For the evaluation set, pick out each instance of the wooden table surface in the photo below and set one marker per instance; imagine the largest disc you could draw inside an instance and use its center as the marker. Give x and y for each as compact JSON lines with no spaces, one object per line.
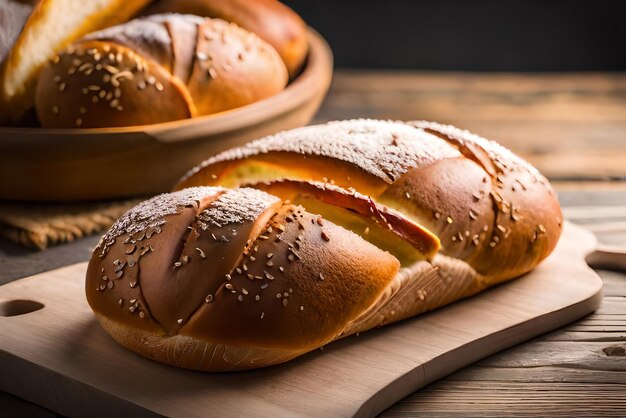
{"x":573,"y":128}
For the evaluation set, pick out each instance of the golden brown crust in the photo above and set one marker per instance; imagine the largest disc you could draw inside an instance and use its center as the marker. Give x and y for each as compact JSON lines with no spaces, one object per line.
{"x":123,"y":75}
{"x":233,"y":267}
{"x":96,"y":84}
{"x":193,"y":353}
{"x":271,"y":20}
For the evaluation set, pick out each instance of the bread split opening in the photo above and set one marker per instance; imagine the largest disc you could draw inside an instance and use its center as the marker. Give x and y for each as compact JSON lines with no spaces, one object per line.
{"x":383,"y":227}
{"x":347,"y":199}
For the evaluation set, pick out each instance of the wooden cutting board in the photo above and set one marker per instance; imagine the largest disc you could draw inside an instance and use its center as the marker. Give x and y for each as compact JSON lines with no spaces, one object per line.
{"x":60,"y":358}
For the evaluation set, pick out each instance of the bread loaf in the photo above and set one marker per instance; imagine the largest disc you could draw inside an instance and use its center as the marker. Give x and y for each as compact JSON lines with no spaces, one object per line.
{"x":336,"y":229}
{"x":156,"y":69}
{"x":52,"y":25}
{"x":271,"y":20}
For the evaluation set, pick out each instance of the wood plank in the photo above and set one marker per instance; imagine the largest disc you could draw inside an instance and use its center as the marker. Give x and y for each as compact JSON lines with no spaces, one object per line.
{"x":579,"y":117}
{"x":570,"y":371}
{"x":60,"y":353}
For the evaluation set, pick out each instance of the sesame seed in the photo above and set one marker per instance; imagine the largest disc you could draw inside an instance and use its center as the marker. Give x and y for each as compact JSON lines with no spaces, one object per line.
{"x":408,"y":195}
{"x":264,"y":285}
{"x":202,"y":254}
{"x":262,"y":315}
{"x":132,"y":284}
{"x":285,"y":302}
{"x":257,"y":297}
{"x":131,"y":263}
{"x":177,"y":264}
{"x":229,"y":286}
{"x":319,"y":221}
{"x":61,"y":87}
{"x":110,"y":285}
{"x":278,"y":296}
{"x":141,"y":314}
{"x":158,"y":86}
{"x":449,"y":220}
{"x":131,"y":309}
{"x":250,"y":276}
{"x":114,"y":103}
{"x":55,"y":110}
{"x":120,"y":302}
{"x":180,"y":321}
{"x":325,"y":236}
{"x":201,"y":56}
{"x":291,"y":257}
{"x":228,"y":277}
{"x":282,"y":269}
{"x":212,"y":73}
{"x":240,"y":298}
{"x":437,"y":215}
{"x":119,"y":274}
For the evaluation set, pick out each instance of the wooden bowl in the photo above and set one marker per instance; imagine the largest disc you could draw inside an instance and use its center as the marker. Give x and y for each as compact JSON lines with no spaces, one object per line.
{"x":92,"y":164}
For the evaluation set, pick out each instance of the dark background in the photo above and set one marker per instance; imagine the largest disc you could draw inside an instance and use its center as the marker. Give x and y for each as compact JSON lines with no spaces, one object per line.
{"x":472,"y":35}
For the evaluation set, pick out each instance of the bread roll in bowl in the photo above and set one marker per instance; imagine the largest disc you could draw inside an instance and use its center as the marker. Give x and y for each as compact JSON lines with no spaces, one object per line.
{"x":156,"y":69}
{"x":271,"y":20}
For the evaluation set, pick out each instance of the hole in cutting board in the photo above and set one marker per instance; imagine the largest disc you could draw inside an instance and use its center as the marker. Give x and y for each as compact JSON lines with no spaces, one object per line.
{"x":19,"y":307}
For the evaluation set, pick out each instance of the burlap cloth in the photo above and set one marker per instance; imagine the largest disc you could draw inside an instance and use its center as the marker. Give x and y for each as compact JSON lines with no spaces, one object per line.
{"x":40,"y":225}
